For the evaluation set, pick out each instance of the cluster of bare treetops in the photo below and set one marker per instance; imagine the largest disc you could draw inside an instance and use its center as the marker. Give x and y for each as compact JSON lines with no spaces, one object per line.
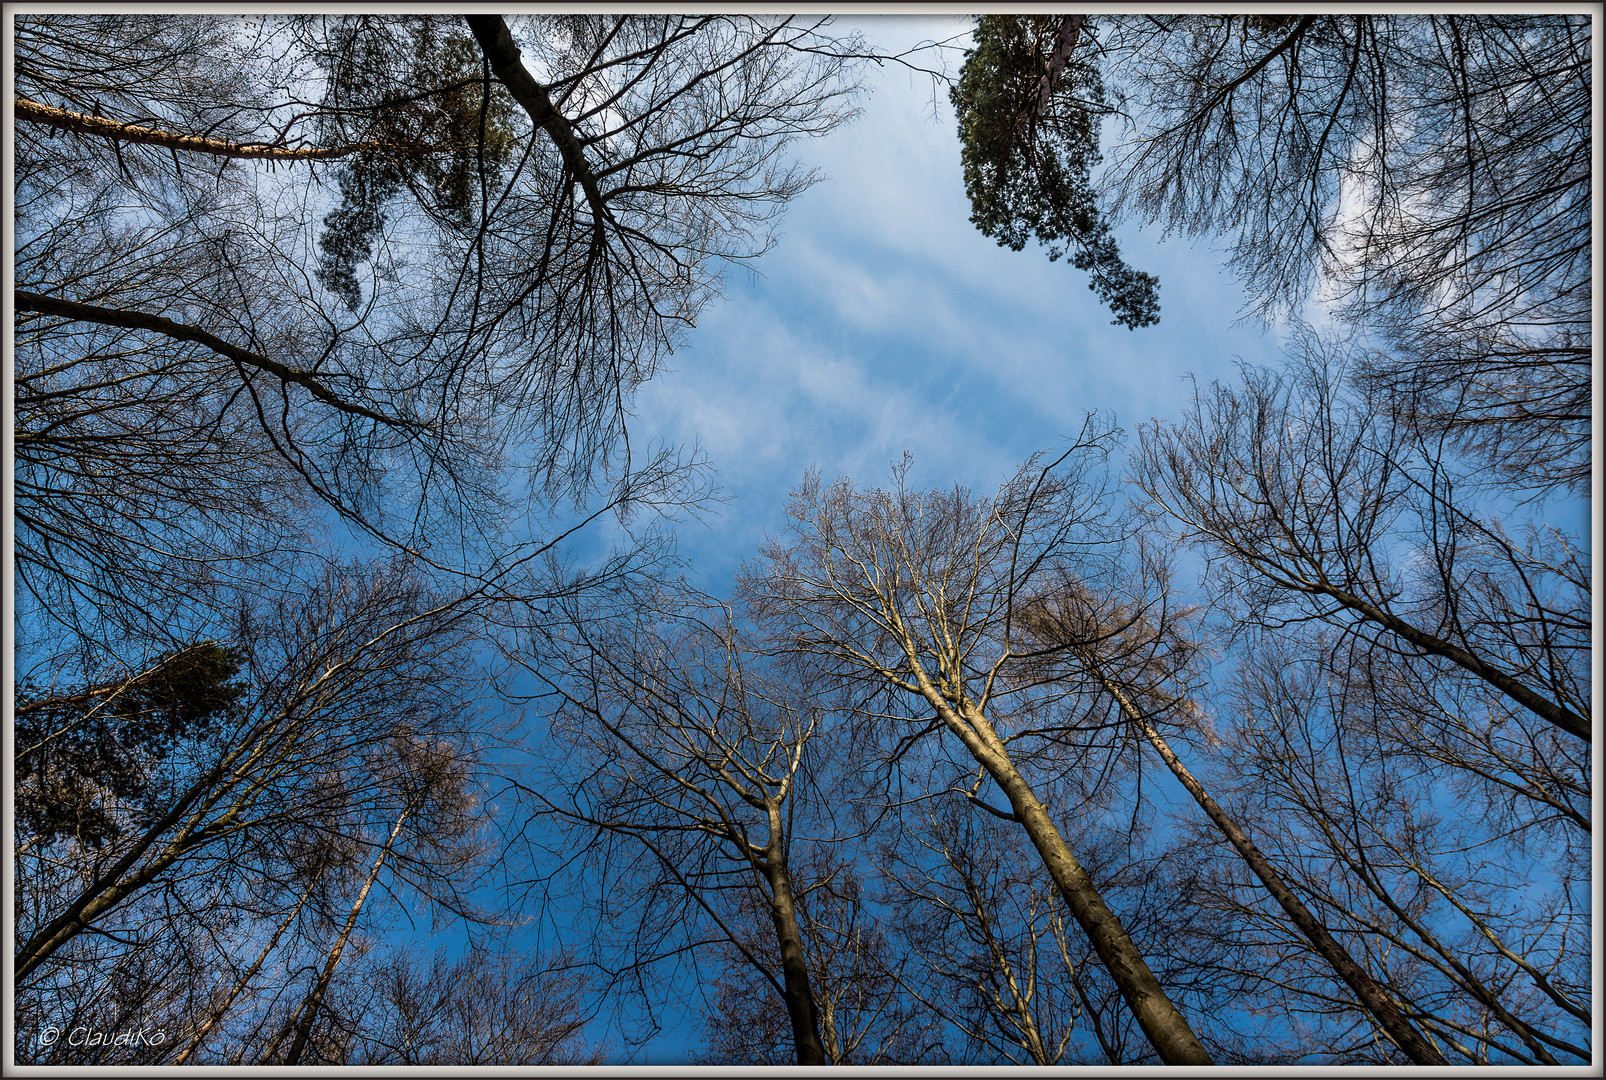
{"x":1259,"y":734}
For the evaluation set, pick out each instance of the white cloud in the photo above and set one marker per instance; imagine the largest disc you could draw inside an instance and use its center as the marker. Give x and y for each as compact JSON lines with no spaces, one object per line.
{"x":883,"y":322}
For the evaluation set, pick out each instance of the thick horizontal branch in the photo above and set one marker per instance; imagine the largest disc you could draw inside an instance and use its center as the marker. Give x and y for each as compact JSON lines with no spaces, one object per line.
{"x":83,"y":124}
{"x":139,"y":320}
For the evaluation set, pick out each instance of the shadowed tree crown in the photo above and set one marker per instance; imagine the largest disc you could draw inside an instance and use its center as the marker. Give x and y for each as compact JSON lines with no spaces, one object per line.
{"x":1029,"y":115}
{"x":425,"y":125}
{"x":82,"y":751}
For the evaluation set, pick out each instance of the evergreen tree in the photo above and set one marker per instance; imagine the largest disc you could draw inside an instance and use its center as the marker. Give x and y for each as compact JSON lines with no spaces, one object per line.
{"x":86,"y":756}
{"x":1029,"y":112}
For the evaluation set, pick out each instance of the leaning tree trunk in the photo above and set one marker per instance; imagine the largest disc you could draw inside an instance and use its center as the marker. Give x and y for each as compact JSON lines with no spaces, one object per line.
{"x":1167,"y":1029}
{"x":217,"y":1014}
{"x":309,"y":1008}
{"x":1371,"y":996}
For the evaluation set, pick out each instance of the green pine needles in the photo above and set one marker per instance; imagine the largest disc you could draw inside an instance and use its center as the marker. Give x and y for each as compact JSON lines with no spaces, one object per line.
{"x":1028,"y":167}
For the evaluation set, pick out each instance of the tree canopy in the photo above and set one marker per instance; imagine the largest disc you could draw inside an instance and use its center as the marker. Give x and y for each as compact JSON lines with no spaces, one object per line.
{"x":1426,"y":178}
{"x":368,"y":710}
{"x":1030,"y":107}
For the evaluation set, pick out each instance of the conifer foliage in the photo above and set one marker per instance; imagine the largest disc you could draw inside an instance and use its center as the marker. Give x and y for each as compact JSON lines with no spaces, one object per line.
{"x":1029,"y":103}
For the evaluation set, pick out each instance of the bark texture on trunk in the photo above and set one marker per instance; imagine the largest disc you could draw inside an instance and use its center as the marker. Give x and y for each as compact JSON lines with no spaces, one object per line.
{"x":1167,"y":1029}
{"x":794,"y":965}
{"x":1371,"y":996}
{"x":1064,"y":44}
{"x":1162,"y":1022}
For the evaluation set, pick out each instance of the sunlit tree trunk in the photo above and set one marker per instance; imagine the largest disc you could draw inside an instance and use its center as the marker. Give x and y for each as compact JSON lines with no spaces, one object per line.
{"x":1064,"y":44}
{"x":1161,"y":1020}
{"x":309,"y":1008}
{"x":1372,"y":997}
{"x":79,"y":123}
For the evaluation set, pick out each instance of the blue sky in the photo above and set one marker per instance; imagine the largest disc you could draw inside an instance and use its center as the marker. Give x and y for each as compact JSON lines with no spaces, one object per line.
{"x":883,"y":321}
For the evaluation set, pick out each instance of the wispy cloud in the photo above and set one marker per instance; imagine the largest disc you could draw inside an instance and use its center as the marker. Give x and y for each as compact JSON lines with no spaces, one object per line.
{"x":884,"y":322}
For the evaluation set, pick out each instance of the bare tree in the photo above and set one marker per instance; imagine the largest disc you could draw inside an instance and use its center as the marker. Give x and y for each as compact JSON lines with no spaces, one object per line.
{"x":486,"y":1007}
{"x":368,"y":662}
{"x":1423,"y":657}
{"x":668,"y":157}
{"x":991,"y":951}
{"x":436,"y":811}
{"x":913,"y":597}
{"x":1474,"y":926}
{"x":1137,"y":649}
{"x":1304,"y":494}
{"x":471,"y":318}
{"x":677,"y":763}
{"x":1428,"y":172}
{"x":282,"y":278}
{"x":866,"y":1017}
{"x":226,"y":995}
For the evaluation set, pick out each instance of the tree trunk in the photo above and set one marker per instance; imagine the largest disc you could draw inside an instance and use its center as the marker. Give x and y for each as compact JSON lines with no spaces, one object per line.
{"x":66,"y":120}
{"x":1371,"y":996}
{"x":1167,"y":1029}
{"x":1070,"y":29}
{"x":1518,"y":691}
{"x":221,"y":1010}
{"x":314,"y":1000}
{"x":496,"y":41}
{"x":794,"y":967}
{"x":110,"y":888}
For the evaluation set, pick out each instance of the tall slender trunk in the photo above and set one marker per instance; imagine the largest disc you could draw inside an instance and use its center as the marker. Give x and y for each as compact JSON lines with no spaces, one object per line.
{"x":1167,"y":1029}
{"x":1162,"y":1022}
{"x":221,"y":1010}
{"x":794,"y":967}
{"x":304,"y":1017}
{"x":1371,"y":996}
